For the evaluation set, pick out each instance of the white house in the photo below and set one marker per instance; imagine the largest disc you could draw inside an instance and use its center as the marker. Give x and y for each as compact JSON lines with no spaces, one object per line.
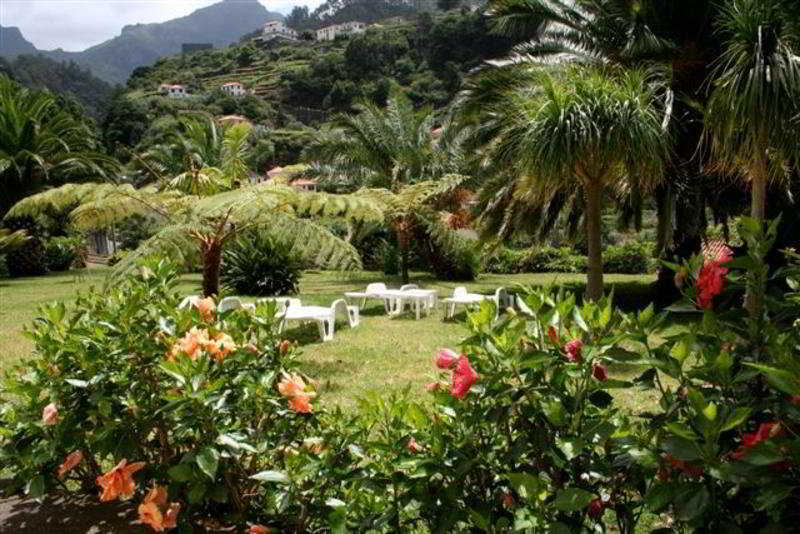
{"x":234,"y":88}
{"x":329,"y":33}
{"x":173,"y":91}
{"x":276,"y":29}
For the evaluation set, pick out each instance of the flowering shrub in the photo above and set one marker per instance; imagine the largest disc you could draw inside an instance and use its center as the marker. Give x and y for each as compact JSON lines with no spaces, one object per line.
{"x":722,"y":444}
{"x":184,"y":402}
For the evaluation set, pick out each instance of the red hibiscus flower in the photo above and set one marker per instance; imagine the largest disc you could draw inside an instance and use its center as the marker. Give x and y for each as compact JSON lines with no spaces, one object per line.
{"x":711,"y":278}
{"x":552,"y":335}
{"x":446,"y":359}
{"x":596,"y":508}
{"x":574,"y":350}
{"x":600,"y":372}
{"x":750,"y":440}
{"x":464,"y":377}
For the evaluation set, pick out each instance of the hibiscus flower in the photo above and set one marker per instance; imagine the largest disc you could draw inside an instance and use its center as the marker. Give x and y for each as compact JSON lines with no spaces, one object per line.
{"x":119,"y":481}
{"x":600,"y":372}
{"x":464,"y":377}
{"x":446,"y":359}
{"x":221,"y":346}
{"x":206,"y":307}
{"x":50,"y":415}
{"x":711,"y":278}
{"x":750,"y":440}
{"x":596,"y":508}
{"x":155,"y":513}
{"x":72,"y":460}
{"x":574,"y":350}
{"x":258,"y":529}
{"x":301,"y":404}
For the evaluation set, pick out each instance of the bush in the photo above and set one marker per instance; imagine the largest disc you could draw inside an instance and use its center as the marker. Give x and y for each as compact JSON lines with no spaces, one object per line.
{"x":505,"y":261}
{"x":193,"y":394}
{"x":554,"y":260}
{"x":633,"y":257}
{"x":63,"y":252}
{"x":256,"y":264}
{"x":27,"y":260}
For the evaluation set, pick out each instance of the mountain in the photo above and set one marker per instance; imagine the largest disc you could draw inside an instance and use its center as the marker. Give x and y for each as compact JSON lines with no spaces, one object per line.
{"x":141,"y":44}
{"x":40,"y":72}
{"x":12,"y":43}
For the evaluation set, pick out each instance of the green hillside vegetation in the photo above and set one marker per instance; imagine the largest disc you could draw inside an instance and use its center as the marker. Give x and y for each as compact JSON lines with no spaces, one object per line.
{"x":428,"y":55}
{"x":64,"y":78}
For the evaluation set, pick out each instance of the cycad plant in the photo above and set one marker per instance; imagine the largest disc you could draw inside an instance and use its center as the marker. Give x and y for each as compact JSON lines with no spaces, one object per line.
{"x":576,"y":129}
{"x":42,"y":144}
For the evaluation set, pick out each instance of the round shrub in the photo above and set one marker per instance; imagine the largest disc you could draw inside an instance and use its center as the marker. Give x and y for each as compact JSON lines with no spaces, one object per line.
{"x":257,"y":264}
{"x":28,"y":260}
{"x":632,"y":257}
{"x":61,"y":253}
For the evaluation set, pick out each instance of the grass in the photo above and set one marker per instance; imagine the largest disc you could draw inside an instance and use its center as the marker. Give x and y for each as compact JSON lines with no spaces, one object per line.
{"x":383,"y":354}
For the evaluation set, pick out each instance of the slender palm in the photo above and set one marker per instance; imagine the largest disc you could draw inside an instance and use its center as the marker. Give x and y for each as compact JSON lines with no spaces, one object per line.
{"x":577,"y":129}
{"x":42,"y":144}
{"x":756,"y":96}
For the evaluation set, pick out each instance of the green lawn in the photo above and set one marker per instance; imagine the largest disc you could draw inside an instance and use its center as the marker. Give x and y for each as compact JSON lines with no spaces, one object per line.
{"x":383,"y":354}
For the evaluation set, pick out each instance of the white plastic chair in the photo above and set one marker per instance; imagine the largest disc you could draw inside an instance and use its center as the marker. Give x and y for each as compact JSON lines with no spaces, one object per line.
{"x":324,"y":317}
{"x":460,"y":297}
{"x":406,"y":287}
{"x":229,"y":303}
{"x":373,"y":291}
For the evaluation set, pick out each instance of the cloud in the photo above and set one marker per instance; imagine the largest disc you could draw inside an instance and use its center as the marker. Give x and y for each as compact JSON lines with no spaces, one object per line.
{"x":78,"y":24}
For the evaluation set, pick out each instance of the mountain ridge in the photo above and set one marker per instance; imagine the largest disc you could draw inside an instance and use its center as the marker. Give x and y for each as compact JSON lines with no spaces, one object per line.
{"x":141,"y":44}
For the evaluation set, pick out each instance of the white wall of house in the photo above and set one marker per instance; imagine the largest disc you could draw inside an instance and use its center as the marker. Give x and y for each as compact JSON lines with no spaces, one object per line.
{"x":234,"y":89}
{"x":329,"y":33}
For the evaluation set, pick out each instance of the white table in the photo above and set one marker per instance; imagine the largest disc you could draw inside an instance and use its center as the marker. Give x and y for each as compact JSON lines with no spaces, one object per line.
{"x":421,"y":299}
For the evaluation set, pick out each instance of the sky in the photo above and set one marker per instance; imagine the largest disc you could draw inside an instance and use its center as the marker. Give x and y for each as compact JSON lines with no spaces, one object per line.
{"x":75,"y":25}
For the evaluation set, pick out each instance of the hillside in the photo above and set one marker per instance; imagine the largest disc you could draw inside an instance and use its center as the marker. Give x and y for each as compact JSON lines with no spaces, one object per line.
{"x":40,"y":72}
{"x":141,"y":44}
{"x":12,"y":43}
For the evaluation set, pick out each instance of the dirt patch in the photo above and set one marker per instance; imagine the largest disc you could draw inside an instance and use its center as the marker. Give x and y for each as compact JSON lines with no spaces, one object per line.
{"x":67,"y":515}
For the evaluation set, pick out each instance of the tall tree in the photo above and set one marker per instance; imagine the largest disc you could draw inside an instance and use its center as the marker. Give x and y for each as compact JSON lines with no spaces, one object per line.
{"x":752,"y":115}
{"x":579,"y":128}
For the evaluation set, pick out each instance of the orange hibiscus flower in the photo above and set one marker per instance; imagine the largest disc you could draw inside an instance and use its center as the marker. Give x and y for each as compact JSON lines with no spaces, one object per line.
{"x":50,"y":415}
{"x":155,"y":513}
{"x":192,"y":343}
{"x":220,"y":346}
{"x":206,"y":308}
{"x":72,"y":460}
{"x":119,"y":481}
{"x":292,"y":384}
{"x":258,"y":529}
{"x":301,"y":404}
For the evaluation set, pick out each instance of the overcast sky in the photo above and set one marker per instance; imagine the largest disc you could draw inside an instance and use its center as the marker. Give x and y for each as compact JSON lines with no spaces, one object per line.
{"x":78,"y":24}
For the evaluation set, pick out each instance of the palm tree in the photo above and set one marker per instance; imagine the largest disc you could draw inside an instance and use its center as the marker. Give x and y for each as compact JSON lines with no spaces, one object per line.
{"x":42,"y":144}
{"x":751,"y":116}
{"x":588,"y":129}
{"x":11,"y":240}
{"x":756,"y":96}
{"x":389,"y":152}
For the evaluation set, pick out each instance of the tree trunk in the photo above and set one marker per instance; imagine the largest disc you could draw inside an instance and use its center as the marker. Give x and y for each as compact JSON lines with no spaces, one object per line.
{"x":594,"y":283}
{"x":212,"y":258}
{"x":754,"y":299}
{"x":404,"y":264}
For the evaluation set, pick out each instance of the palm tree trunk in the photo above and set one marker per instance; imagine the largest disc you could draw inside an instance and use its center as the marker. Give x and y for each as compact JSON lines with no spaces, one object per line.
{"x":594,"y":283}
{"x":212,"y":258}
{"x":754,"y":299}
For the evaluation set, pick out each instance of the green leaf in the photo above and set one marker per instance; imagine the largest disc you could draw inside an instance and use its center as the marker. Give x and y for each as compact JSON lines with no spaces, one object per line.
{"x":271,"y":476}
{"x":181,"y":473}
{"x":692,"y":504}
{"x":572,"y":499}
{"x":736,"y":418}
{"x":780,"y":379}
{"x":208,"y":460}
{"x":77,"y":383}
{"x":682,"y":448}
{"x":525,"y":484}
{"x":661,"y":495}
{"x":196,"y":493}
{"x":570,"y":447}
{"x":35,"y":487}
{"x":710,"y":411}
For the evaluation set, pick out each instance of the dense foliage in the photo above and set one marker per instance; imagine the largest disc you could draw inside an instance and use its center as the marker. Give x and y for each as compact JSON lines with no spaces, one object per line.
{"x":258,"y":264}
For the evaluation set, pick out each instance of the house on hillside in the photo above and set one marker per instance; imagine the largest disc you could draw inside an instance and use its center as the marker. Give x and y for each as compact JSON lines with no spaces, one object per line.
{"x":173,"y":91}
{"x":329,"y":33}
{"x":234,"y":88}
{"x":276,"y":29}
{"x":229,"y":120}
